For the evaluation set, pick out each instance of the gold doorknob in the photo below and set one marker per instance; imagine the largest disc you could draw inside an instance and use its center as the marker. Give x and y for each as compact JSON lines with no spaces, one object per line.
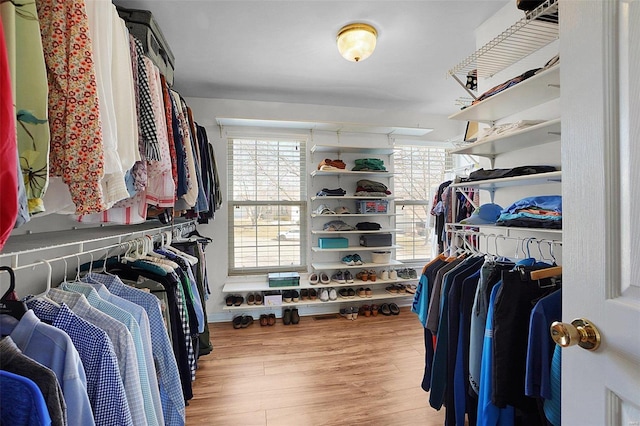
{"x":580,"y":332}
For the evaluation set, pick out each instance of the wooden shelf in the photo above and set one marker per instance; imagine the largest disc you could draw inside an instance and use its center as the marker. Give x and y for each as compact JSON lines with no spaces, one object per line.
{"x":539,"y":134}
{"x":492,"y":184}
{"x":533,"y":91}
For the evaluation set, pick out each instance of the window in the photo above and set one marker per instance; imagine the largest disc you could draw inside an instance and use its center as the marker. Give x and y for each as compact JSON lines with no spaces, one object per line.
{"x":418,"y":170}
{"x":267,"y":201}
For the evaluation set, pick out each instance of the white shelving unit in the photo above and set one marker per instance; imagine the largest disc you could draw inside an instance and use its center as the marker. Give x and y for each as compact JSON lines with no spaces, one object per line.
{"x":533,"y":91}
{"x":328,"y":266}
{"x":354,"y":248}
{"x":350,"y":173}
{"x":520,"y":40}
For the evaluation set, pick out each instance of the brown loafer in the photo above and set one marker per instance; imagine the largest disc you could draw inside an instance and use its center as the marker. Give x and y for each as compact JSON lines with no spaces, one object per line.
{"x":271,"y":320}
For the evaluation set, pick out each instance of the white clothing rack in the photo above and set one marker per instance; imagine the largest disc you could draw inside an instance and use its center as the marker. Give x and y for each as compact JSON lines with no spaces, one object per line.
{"x":32,"y":250}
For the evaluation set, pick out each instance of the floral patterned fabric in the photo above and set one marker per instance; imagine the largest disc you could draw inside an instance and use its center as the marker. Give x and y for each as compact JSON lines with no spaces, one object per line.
{"x":74,"y":116}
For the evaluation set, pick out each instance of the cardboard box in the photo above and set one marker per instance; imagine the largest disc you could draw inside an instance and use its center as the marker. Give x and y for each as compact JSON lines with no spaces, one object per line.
{"x":273,"y":300}
{"x":339,"y":242}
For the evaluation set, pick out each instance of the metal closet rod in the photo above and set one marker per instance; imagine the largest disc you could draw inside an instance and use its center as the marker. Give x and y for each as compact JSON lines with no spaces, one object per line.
{"x":156,"y":233}
{"x":472,"y":233}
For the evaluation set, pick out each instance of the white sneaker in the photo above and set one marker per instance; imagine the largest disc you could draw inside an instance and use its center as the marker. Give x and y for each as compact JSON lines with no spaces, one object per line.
{"x":333,"y":295}
{"x":393,"y":274}
{"x":384,"y":275}
{"x":324,"y":295}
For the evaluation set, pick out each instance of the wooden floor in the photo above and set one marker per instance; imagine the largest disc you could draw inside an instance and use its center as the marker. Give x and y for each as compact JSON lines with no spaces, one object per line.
{"x":326,"y":370}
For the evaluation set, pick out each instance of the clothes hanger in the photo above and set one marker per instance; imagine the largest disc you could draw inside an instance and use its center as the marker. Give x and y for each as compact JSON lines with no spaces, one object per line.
{"x":15,"y":308}
{"x":49,"y":271}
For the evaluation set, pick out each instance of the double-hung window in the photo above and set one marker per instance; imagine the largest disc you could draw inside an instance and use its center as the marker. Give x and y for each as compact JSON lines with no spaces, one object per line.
{"x":267,"y":202}
{"x":417,"y":171}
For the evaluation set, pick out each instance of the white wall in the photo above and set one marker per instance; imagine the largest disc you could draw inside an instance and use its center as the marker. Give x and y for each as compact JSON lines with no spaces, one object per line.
{"x":207,"y":110}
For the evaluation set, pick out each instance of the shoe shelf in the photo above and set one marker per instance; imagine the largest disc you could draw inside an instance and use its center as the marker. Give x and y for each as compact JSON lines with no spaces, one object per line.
{"x":339,"y":173}
{"x":255,"y":287}
{"x":354,"y":215}
{"x":533,"y":91}
{"x":355,"y":248}
{"x":350,"y":197}
{"x":319,"y":266}
{"x":539,"y":134}
{"x":351,"y":150}
{"x":507,"y":230}
{"x":379,"y":231}
{"x":376,"y":297}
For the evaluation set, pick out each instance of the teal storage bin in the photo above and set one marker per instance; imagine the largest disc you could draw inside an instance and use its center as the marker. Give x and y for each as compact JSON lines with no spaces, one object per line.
{"x":327,"y":243}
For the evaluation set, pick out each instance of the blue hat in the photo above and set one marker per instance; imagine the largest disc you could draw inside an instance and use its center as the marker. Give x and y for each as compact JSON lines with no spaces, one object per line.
{"x":484,"y":215}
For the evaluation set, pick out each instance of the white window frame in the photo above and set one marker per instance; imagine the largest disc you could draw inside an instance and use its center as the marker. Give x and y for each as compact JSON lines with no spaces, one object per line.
{"x":301,"y":204}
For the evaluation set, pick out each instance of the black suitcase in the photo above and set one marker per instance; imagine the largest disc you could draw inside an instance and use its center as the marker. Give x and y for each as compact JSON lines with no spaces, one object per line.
{"x":376,"y":240}
{"x":143,"y":26}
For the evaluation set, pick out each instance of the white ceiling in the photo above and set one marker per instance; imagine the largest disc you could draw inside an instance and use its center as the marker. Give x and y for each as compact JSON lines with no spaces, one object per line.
{"x":285,"y":51}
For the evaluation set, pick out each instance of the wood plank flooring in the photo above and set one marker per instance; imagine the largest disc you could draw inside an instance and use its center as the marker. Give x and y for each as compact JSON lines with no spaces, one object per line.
{"x":326,"y":370}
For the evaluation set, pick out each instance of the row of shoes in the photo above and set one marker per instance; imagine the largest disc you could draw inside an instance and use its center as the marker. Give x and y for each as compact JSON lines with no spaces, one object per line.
{"x":386,"y":309}
{"x":349,"y":293}
{"x":242,"y":321}
{"x":267,"y":319}
{"x":290,"y":316}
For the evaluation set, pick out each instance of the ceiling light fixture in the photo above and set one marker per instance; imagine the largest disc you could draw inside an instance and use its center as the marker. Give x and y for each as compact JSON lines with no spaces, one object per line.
{"x":356,"y":42}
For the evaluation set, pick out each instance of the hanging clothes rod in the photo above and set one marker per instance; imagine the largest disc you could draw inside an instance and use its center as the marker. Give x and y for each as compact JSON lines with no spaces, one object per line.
{"x":81,"y":246}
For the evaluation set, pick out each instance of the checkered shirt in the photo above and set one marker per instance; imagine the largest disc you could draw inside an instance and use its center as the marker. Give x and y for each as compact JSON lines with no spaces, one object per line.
{"x":104,"y":385}
{"x":173,"y":403}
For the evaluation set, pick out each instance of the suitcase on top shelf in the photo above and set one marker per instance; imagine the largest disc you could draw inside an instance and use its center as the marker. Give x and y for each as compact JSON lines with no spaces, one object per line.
{"x":143,"y":26}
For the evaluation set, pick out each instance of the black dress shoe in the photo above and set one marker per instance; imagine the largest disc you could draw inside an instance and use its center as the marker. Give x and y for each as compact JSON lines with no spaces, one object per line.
{"x":286,"y":317}
{"x":247,"y":320}
{"x":237,"y":321}
{"x":237,"y":300}
{"x":295,"y":316}
{"x":385,"y":310}
{"x":393,"y":308}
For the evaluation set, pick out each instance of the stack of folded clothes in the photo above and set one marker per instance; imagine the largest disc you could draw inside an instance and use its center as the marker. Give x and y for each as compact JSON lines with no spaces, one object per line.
{"x":328,"y":165}
{"x":369,"y":188}
{"x":482,"y":174}
{"x":325,"y":192}
{"x":543,"y":211}
{"x":369,"y":165}
{"x":337,"y":225}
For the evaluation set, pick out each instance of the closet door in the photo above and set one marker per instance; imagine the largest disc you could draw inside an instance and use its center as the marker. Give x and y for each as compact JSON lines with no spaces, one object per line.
{"x":600,"y":80}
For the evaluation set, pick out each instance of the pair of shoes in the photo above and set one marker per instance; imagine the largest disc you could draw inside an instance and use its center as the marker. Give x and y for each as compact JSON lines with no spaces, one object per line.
{"x":384,"y":275}
{"x":350,"y":313}
{"x":254,"y":299}
{"x":242,"y":321}
{"x":338,"y":277}
{"x":291,"y":296}
{"x":363,"y":275}
{"x":347,"y":293}
{"x":290,"y":316}
{"x":352,"y":259}
{"x":234,"y":300}
{"x":396,"y":289}
{"x":389,"y":309}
